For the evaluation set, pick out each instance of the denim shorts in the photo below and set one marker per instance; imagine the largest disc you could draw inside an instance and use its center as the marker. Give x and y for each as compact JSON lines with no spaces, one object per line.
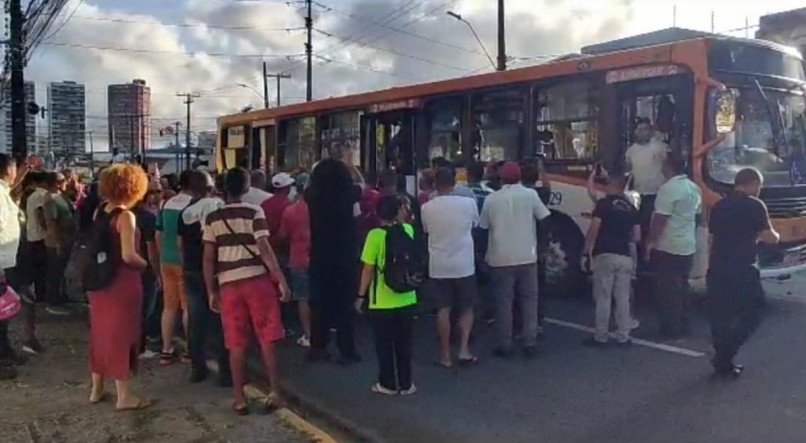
{"x":300,"y":285}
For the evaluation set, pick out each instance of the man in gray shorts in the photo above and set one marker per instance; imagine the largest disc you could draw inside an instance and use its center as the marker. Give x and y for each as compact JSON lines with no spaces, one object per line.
{"x":449,"y":221}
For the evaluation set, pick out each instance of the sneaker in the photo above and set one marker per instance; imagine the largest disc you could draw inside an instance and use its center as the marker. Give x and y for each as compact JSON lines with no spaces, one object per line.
{"x":33,"y":347}
{"x":591,"y":342}
{"x":411,"y":390}
{"x":148,"y":354}
{"x":57,"y":310}
{"x":198,"y":375}
{"x":185,"y":358}
{"x":635,"y":323}
{"x":378,"y":389}
{"x":304,"y":342}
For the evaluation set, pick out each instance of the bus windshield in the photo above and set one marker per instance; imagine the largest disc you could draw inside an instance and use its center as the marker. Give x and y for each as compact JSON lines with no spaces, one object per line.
{"x":769,"y":135}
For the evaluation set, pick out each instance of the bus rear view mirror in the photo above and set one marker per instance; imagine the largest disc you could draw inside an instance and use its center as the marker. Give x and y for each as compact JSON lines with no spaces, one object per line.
{"x":725,"y":117}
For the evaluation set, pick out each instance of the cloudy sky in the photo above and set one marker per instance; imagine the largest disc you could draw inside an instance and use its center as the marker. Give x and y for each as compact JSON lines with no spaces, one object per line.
{"x":209,"y":46}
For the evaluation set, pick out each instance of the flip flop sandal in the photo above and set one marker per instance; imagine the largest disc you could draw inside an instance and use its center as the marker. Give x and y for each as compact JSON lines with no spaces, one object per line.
{"x":100,"y":398}
{"x":441,"y":365}
{"x":185,"y":359}
{"x":473,"y":360}
{"x":272,"y":404}
{"x":167,"y":358}
{"x":240,"y":408}
{"x":141,"y":404}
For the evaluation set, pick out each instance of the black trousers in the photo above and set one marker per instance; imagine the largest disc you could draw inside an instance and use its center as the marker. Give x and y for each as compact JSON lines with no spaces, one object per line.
{"x":56,"y":264}
{"x":38,"y":268}
{"x":671,"y":290}
{"x":332,"y":296}
{"x":203,"y":324}
{"x":393,"y":335}
{"x":736,"y":305}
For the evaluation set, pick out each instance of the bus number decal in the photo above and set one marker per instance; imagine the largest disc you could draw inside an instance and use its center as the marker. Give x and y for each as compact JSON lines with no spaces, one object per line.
{"x":556,"y":198}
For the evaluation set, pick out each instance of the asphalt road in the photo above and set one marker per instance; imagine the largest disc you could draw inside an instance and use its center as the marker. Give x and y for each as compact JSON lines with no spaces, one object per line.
{"x":48,"y":402}
{"x":648,"y":393}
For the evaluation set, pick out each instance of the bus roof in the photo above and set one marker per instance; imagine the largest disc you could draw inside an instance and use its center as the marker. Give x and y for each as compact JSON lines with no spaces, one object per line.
{"x":669,"y":52}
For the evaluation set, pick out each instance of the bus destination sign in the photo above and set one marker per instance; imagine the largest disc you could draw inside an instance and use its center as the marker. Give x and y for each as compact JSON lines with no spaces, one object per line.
{"x":641,"y":72}
{"x":412,"y":103}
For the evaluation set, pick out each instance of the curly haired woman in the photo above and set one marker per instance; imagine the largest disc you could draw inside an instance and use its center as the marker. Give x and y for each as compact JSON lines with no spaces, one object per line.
{"x":115,"y":309}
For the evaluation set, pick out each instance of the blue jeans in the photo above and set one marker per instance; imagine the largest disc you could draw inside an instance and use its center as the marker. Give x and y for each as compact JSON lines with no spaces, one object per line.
{"x":203,"y":323}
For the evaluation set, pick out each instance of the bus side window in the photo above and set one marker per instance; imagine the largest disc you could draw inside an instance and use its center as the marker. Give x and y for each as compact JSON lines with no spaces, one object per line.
{"x":565,"y":121}
{"x":499,"y":131}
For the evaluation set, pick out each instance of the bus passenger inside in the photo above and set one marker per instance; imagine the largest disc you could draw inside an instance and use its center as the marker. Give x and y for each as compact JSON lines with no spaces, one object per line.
{"x":645,"y":159}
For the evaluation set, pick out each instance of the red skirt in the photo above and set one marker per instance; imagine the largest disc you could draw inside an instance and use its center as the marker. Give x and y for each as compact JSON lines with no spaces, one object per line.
{"x":115,"y":325}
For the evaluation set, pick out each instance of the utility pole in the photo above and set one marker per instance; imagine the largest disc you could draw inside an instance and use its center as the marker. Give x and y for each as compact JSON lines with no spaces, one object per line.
{"x":502,"y":38}
{"x":176,"y":135}
{"x":189,"y":99}
{"x":265,"y":86}
{"x":309,"y":51}
{"x":19,"y":145}
{"x":92,"y":156}
{"x":279,"y":78}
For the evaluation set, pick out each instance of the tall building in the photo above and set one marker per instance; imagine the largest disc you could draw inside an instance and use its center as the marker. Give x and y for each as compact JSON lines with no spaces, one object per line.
{"x":68,"y":117}
{"x":129,"y":108}
{"x":30,"y":120}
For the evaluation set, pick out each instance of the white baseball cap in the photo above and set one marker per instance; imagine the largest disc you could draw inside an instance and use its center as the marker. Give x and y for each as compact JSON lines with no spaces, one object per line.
{"x":282,"y":180}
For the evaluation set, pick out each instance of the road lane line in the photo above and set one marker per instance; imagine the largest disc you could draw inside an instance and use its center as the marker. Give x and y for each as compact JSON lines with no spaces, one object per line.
{"x":290,"y":417}
{"x":637,"y":341}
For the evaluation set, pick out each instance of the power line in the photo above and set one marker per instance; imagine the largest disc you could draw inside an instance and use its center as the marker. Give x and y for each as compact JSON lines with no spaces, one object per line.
{"x":394,"y":52}
{"x":190,"y":25}
{"x":157,"y":51}
{"x":399,"y":30}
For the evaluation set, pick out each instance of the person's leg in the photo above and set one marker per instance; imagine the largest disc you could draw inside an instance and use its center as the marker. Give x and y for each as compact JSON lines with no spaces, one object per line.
{"x":55,"y":275}
{"x":301,"y":293}
{"x":344,"y":312}
{"x":404,"y":325}
{"x":383,"y":329}
{"x":235,"y":322}
{"x":262,"y":300}
{"x":621,"y":293}
{"x":603,"y":280}
{"x":526,"y":287}
{"x":320,"y":328}
{"x":664,"y":281}
{"x":503,"y":287}
{"x":440,"y":292}
{"x":198,"y":315}
{"x":170,"y":306}
{"x":97,"y":387}
{"x":466,"y":293}
{"x":39,"y":269}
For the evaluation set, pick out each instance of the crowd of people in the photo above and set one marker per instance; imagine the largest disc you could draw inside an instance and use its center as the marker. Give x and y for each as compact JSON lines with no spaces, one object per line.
{"x":218,"y":256}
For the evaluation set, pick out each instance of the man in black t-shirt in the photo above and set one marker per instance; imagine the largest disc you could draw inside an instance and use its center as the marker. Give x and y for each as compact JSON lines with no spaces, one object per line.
{"x":614,"y":231}
{"x":737,"y":223}
{"x":202,"y":322}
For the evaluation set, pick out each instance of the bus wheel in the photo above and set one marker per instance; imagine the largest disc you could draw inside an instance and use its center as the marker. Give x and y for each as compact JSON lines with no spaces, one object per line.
{"x":564,"y":278}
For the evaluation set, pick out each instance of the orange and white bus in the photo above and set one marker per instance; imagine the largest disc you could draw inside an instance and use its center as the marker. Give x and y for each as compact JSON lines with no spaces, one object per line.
{"x":723,"y":103}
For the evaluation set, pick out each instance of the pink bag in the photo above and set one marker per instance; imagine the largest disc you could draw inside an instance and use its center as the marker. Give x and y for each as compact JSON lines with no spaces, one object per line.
{"x":10,"y":304}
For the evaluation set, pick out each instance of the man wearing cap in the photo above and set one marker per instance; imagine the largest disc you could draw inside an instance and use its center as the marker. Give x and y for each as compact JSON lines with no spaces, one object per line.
{"x":273,"y":207}
{"x":509,"y":216}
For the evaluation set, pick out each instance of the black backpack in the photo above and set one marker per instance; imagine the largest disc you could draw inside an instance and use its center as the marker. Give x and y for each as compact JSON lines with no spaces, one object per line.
{"x":406,"y":262}
{"x":96,"y":260}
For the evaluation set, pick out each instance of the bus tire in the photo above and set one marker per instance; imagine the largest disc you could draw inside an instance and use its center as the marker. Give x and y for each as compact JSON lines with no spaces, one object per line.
{"x":563,"y":274}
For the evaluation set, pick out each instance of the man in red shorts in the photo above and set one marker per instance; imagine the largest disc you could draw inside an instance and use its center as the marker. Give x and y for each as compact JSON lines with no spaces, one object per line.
{"x":244,"y":283}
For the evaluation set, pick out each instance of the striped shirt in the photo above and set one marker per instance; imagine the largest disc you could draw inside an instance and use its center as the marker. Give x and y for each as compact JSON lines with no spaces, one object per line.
{"x":234,"y":262}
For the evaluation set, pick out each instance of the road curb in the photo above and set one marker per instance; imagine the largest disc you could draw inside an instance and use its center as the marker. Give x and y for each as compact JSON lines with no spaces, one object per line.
{"x":301,"y":406}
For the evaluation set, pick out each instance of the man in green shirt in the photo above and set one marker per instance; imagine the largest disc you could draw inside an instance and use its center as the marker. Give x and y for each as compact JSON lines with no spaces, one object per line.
{"x":60,"y":230}
{"x":391,"y":313}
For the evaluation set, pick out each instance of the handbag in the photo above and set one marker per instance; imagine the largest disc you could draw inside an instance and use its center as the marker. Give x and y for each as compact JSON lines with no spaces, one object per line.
{"x":10,"y":303}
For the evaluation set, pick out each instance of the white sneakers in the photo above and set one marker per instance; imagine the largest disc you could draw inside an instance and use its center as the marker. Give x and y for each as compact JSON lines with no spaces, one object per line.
{"x":378,"y":389}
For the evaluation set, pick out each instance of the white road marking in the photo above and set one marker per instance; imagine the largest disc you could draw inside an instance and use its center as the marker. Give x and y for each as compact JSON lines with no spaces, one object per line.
{"x":637,"y":341}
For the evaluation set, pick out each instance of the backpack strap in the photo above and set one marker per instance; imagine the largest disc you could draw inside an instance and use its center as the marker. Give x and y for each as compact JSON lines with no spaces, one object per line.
{"x":245,"y":246}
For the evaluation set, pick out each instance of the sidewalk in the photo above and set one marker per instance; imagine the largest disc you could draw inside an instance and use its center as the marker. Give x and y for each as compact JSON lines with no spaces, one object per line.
{"x":48,"y":401}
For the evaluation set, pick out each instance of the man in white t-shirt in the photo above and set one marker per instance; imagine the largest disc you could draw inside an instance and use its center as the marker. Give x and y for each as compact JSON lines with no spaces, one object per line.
{"x":257,"y":193}
{"x":509,"y":214}
{"x":449,"y":220}
{"x":645,"y":161}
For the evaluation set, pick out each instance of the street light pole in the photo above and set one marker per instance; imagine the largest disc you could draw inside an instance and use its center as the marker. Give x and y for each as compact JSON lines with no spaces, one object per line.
{"x":265,"y":86}
{"x":502,"y":38}
{"x":478,"y":39}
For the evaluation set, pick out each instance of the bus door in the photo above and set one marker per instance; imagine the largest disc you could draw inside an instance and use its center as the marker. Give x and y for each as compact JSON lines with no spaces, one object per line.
{"x":666,"y":100}
{"x":387,"y":142}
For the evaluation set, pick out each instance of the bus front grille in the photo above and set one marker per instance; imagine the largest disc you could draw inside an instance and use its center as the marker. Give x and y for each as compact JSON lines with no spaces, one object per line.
{"x":787,"y":207}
